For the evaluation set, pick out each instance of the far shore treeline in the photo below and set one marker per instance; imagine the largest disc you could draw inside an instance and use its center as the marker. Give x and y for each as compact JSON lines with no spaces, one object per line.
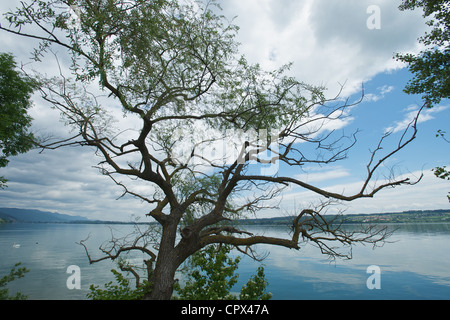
{"x":9,"y":215}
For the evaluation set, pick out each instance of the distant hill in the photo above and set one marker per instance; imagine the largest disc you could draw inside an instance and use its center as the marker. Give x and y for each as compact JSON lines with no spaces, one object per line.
{"x":414,"y":216}
{"x":417,"y":216}
{"x":37,"y":216}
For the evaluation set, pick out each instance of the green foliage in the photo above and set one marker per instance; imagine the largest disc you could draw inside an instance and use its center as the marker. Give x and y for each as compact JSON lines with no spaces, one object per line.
{"x":169,"y":61}
{"x":255,"y":287}
{"x":431,"y":68}
{"x":15,"y":273}
{"x":15,"y":94}
{"x":120,"y":291}
{"x":212,"y":275}
{"x":443,"y":173}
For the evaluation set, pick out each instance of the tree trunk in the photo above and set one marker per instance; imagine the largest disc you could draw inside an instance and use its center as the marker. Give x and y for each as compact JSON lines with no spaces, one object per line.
{"x":169,"y":259}
{"x":166,"y":265}
{"x":163,"y":280}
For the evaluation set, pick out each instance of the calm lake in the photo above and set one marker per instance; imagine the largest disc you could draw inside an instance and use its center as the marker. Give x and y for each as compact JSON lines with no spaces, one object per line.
{"x":416,"y":265}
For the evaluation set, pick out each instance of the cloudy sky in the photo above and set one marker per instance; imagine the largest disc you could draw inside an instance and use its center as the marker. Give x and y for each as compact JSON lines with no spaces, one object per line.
{"x":331,"y":43}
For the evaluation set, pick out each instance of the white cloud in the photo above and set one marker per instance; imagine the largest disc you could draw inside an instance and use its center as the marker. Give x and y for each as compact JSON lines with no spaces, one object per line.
{"x":328,"y":41}
{"x":426,"y":115}
{"x":64,"y":180}
{"x":325,"y":175}
{"x":372,"y":97}
{"x":430,"y":193}
{"x":386,"y":89}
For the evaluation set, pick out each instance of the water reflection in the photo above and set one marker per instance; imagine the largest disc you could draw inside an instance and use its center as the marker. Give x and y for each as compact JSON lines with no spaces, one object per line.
{"x":47,"y":250}
{"x":415,"y":265}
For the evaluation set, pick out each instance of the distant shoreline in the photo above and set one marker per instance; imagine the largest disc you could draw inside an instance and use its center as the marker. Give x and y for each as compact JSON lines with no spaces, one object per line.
{"x":416,"y":216}
{"x":413,"y":216}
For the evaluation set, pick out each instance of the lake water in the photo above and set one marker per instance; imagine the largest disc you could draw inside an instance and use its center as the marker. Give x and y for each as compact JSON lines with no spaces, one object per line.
{"x":416,"y":265}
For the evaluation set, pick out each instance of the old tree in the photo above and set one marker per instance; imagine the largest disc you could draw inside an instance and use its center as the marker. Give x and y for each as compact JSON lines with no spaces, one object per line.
{"x":214,"y":130}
